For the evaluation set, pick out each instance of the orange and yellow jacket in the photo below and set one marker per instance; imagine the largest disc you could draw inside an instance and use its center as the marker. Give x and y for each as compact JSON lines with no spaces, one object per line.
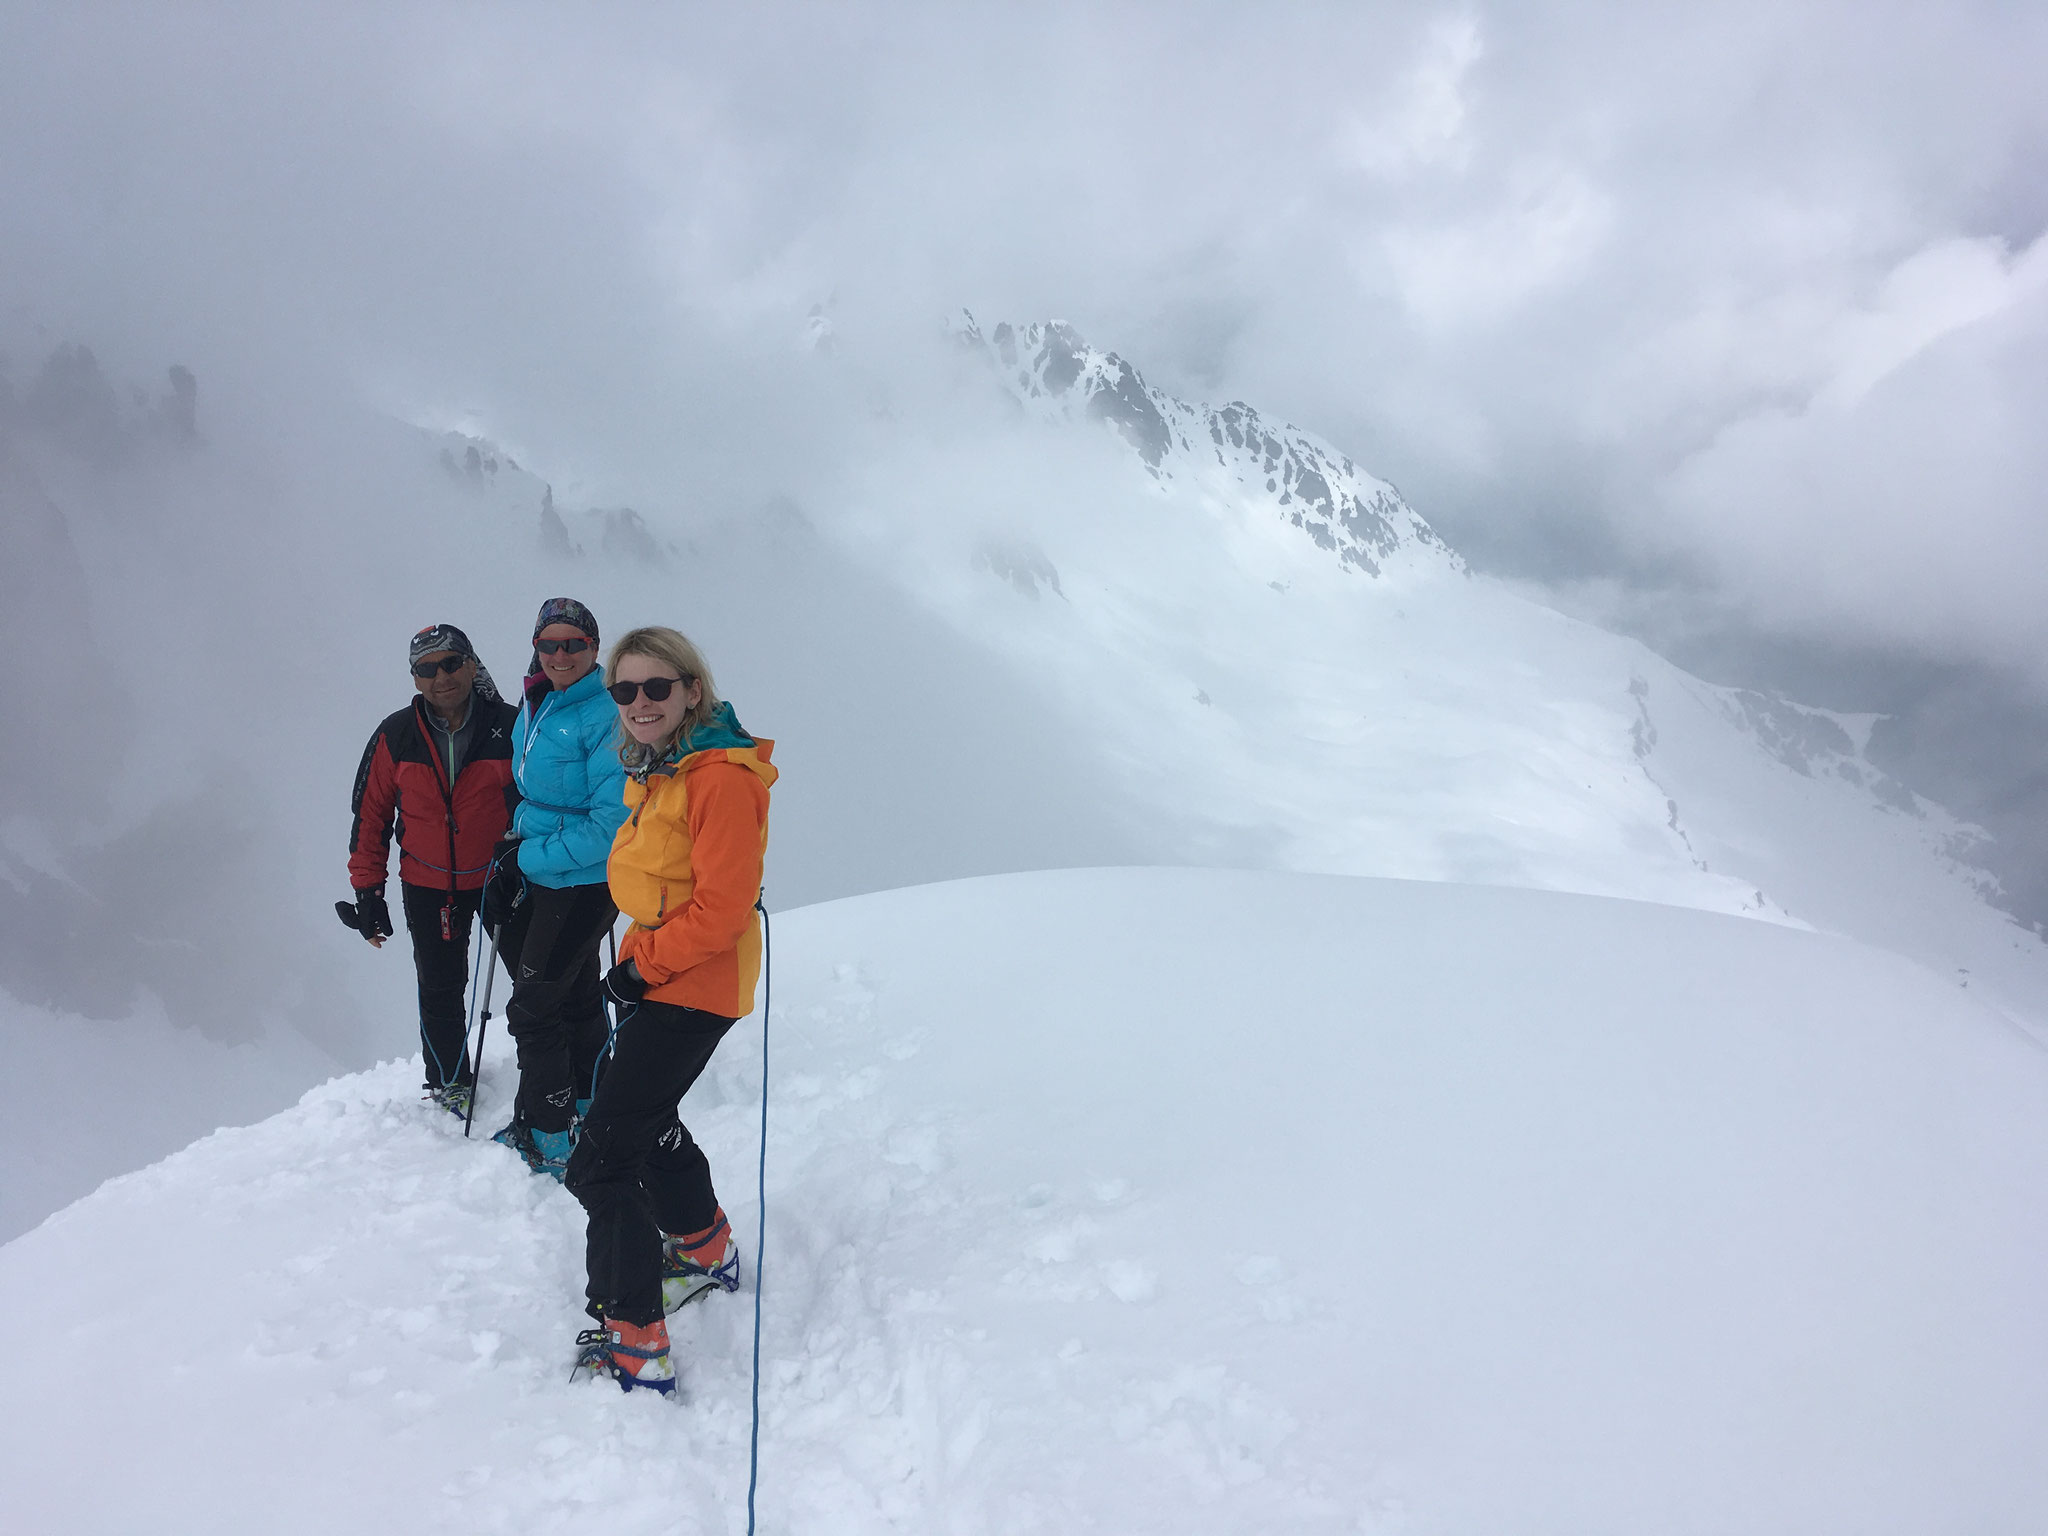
{"x":686,"y":867}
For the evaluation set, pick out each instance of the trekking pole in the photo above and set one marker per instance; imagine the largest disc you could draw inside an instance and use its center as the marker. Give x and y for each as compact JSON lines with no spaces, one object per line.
{"x":490,"y":976}
{"x":476,"y":964}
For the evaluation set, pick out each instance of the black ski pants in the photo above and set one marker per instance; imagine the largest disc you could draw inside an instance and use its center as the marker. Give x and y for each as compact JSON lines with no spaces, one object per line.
{"x":635,"y":1168}
{"x":556,"y":1015}
{"x":440,"y":956}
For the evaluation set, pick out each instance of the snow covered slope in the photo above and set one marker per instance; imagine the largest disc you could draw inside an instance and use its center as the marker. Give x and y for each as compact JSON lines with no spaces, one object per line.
{"x":1270,"y":649}
{"x":1134,"y":1201}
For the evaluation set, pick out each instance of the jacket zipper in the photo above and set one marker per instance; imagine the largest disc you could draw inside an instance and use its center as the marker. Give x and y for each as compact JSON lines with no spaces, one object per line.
{"x":447,"y":788}
{"x":533,"y":729}
{"x":661,"y":908}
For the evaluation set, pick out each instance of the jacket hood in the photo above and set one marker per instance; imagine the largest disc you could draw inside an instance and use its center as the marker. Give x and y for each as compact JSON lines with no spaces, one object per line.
{"x":723,"y":729}
{"x":720,"y":739}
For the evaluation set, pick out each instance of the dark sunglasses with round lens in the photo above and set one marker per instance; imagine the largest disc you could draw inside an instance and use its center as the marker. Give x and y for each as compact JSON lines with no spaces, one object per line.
{"x":426,"y":669}
{"x":657,"y":688}
{"x":573,"y":646}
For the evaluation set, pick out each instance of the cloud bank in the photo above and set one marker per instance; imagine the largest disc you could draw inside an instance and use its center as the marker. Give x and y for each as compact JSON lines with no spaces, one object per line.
{"x":1745,"y":296}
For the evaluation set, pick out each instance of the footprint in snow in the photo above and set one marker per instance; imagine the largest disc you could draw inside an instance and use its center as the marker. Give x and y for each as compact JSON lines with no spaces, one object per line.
{"x":1259,"y":1269}
{"x":915,"y":1147}
{"x":903,"y":1047}
{"x":1129,"y":1281}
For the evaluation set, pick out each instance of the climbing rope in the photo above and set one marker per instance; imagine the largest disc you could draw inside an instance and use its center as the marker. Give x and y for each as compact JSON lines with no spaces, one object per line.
{"x":761,"y":1242}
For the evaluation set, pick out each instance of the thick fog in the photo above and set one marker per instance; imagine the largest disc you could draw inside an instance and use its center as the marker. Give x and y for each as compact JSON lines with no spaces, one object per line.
{"x":1724,"y":325}
{"x":1753,"y":288}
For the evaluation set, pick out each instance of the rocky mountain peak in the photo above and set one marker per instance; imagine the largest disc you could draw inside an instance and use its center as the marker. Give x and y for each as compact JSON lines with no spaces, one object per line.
{"x":1055,"y":373}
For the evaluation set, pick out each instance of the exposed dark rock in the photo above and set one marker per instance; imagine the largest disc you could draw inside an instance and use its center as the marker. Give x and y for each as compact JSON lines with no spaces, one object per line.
{"x":1059,"y":360}
{"x":1343,"y":511}
{"x":1129,"y":404}
{"x":73,"y":406}
{"x":626,"y":536}
{"x":72,"y":403}
{"x":1024,"y":569}
{"x":1794,"y":736}
{"x":179,"y":411}
{"x":554,"y":533}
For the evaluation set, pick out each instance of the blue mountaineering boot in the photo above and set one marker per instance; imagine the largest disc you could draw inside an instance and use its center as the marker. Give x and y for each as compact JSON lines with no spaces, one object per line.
{"x":543,"y":1151}
{"x":550,"y":1155}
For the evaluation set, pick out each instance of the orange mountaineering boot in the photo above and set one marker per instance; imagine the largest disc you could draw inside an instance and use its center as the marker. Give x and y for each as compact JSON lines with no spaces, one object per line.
{"x":698,"y":1264}
{"x":633,"y":1355}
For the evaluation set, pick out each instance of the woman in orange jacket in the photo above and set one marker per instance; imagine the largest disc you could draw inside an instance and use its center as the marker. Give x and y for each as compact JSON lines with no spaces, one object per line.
{"x":686,"y":867}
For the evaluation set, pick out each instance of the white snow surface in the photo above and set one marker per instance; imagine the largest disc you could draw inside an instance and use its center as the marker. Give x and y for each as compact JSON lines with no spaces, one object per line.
{"x":1135,"y":1201}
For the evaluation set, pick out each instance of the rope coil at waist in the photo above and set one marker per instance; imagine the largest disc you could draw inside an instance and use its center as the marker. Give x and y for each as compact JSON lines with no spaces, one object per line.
{"x":474,"y":869}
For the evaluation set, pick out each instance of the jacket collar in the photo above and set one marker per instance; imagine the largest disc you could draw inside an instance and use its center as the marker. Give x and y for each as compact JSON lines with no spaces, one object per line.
{"x":591,"y":682}
{"x":720,"y":737}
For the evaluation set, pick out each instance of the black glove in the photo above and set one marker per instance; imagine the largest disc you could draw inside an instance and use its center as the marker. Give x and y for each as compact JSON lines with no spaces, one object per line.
{"x":628,"y":988}
{"x":367,"y":914}
{"x":506,"y":887}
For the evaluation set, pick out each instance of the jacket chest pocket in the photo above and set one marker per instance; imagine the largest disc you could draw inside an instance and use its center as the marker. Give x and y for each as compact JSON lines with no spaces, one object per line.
{"x":661,"y":851}
{"x":669,"y":852}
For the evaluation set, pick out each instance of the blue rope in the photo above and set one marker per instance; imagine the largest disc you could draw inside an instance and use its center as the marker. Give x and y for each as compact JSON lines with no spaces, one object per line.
{"x":761,"y":1243}
{"x":621,"y":1013}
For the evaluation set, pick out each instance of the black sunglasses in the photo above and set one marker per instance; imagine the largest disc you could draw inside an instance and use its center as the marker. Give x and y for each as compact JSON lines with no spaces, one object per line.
{"x":658,"y":688}
{"x":549,"y":647}
{"x":426,"y":669}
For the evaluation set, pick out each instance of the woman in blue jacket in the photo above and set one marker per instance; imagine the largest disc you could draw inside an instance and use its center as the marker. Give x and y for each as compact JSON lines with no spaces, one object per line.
{"x":548,"y":903}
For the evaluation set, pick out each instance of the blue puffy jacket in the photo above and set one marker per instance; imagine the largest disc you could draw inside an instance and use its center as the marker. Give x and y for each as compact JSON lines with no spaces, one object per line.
{"x":565,"y":760}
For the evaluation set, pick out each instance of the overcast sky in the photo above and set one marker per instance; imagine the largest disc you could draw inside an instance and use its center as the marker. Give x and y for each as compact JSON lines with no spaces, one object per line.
{"x":1736,"y":313}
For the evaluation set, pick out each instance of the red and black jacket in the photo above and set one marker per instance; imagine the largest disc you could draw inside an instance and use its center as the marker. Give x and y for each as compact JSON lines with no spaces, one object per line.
{"x":445,"y":832}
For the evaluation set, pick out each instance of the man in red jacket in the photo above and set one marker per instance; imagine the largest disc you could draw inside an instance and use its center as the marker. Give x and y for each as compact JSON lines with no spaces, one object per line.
{"x":440,"y":770}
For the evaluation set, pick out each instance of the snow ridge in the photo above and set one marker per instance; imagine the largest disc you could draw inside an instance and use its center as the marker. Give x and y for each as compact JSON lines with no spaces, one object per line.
{"x":1664,"y":1221}
{"x":1057,"y":375}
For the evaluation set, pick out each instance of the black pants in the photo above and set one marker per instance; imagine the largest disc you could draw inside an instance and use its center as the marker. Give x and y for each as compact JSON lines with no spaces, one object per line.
{"x":635,"y":1168}
{"x":442,"y":963}
{"x":556,"y":1012}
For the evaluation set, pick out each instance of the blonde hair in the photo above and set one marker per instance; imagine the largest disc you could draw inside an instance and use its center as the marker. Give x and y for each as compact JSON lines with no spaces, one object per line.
{"x":672,"y":648}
